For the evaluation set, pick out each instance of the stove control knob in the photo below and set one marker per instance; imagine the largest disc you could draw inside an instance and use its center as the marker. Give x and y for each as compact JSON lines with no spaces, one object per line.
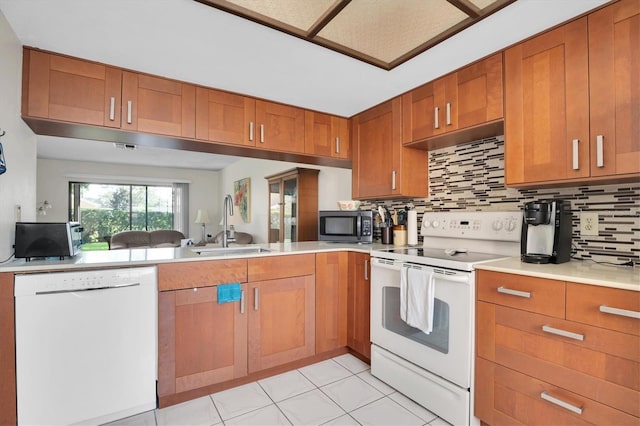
{"x":497,"y":225}
{"x":511,"y":225}
{"x":426,"y":223}
{"x":435,"y":223}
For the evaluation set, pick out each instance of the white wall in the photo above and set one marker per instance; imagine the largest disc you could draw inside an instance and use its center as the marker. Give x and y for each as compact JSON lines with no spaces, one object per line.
{"x":333,"y":184}
{"x":54,"y":177}
{"x":17,"y":185}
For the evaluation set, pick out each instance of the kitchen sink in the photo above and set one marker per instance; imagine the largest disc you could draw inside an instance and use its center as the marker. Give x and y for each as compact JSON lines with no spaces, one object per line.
{"x":227,"y":251}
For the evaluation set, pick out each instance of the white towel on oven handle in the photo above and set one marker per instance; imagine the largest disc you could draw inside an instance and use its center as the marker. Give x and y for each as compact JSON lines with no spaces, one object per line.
{"x":417,"y":291}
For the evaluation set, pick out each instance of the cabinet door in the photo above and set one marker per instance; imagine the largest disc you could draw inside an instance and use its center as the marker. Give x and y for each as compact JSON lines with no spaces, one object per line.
{"x":419,"y":111}
{"x":225,"y":117}
{"x":200,"y":342}
{"x":281,"y":321}
{"x":8,"y":402}
{"x":614,"y":48}
{"x":279,"y":127}
{"x":158,"y":105}
{"x":547,"y":106}
{"x":326,"y":135}
{"x":332,"y":271}
{"x":376,"y":134}
{"x":479,"y":93}
{"x":382,"y":167}
{"x":61,"y":88}
{"x":359,"y":301}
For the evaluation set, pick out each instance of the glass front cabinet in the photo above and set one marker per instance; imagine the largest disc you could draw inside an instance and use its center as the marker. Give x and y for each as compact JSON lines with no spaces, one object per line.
{"x":293,"y":206}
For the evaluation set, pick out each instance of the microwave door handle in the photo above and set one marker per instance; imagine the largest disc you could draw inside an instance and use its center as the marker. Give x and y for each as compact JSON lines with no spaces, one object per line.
{"x":359,"y":226}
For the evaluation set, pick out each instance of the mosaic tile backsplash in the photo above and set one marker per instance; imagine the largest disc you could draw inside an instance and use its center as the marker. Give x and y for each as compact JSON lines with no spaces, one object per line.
{"x":471,"y":177}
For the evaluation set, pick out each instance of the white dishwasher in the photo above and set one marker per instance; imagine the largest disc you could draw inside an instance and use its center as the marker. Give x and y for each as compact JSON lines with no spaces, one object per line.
{"x":86,"y":345}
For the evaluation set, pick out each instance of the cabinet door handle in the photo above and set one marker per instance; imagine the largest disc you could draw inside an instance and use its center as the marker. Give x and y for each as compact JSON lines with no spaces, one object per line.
{"x":251,"y":131}
{"x":393,"y":180}
{"x":366,"y":270}
{"x":560,"y":403}
{"x":112,"y":109}
{"x":620,"y":312}
{"x":256,"y":295}
{"x":242,"y":302}
{"x":262,"y":133}
{"x":338,"y":145}
{"x":563,"y":333}
{"x":576,"y":152}
{"x":511,"y":292}
{"x":435,"y":119}
{"x":600,"y":151}
{"x":129,"y":107}
{"x":448,"y":113}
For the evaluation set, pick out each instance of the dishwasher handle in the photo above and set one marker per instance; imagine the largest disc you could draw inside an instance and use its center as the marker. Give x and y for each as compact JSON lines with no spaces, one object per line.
{"x":79,"y":290}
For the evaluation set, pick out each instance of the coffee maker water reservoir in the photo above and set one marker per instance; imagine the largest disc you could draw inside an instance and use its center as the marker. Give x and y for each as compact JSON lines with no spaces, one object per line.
{"x":546,"y":232}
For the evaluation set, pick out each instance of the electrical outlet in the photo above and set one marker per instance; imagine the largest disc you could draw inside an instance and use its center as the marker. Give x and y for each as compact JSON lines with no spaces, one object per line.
{"x":588,"y":224}
{"x":18,"y":213}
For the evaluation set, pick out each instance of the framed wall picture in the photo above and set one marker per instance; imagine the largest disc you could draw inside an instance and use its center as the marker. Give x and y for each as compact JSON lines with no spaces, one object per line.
{"x":242,"y":198}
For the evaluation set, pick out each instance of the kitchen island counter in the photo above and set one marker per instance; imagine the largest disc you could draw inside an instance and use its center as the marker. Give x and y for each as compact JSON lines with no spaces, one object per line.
{"x":151,"y":256}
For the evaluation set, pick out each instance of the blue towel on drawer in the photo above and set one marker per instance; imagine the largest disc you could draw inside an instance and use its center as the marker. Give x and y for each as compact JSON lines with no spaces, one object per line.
{"x":229,"y":292}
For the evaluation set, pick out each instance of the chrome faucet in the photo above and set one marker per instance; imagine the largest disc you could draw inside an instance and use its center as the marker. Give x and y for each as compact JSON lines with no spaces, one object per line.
{"x":228,"y":203}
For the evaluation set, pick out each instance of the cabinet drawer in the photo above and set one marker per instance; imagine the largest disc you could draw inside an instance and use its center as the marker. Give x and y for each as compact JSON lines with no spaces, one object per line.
{"x":531,"y":294}
{"x":604,"y":307}
{"x":275,"y":267}
{"x":505,"y":396}
{"x":603,"y":366}
{"x":174,"y":276}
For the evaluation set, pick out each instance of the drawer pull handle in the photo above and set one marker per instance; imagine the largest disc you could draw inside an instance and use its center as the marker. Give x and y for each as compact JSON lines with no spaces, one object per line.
{"x":504,"y":290}
{"x":560,"y":403}
{"x":563,"y":333}
{"x":620,"y":312}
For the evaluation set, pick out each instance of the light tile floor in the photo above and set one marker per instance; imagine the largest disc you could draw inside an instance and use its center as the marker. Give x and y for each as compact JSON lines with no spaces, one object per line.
{"x":340,"y":391}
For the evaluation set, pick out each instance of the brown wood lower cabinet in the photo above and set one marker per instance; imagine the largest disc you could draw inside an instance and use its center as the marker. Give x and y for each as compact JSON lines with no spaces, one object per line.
{"x":332,"y":275}
{"x":201,"y":342}
{"x":281,"y":321}
{"x":533,"y":368}
{"x":359,"y":299}
{"x":8,"y":407}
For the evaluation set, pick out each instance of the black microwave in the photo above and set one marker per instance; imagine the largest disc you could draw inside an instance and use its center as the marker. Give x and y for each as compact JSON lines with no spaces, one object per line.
{"x":345,"y":226}
{"x":47,"y":239}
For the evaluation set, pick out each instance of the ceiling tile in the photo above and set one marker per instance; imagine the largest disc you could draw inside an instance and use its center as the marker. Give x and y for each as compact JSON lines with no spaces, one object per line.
{"x":387,"y":29}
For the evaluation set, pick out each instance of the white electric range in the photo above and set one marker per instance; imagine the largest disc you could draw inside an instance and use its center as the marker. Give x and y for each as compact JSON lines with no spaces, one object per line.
{"x":434,"y":366}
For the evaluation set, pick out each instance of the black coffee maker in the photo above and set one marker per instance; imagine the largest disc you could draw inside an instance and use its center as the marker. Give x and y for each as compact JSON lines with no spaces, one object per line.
{"x":546,"y":232}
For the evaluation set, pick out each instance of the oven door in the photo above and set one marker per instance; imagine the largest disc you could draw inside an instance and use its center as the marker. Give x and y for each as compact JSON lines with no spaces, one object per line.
{"x":447,"y":350}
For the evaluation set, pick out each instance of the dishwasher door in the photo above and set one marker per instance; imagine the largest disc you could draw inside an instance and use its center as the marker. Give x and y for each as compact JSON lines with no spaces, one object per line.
{"x":86,"y":345}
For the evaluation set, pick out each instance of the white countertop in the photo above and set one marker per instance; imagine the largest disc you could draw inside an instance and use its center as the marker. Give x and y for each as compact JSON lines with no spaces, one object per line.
{"x":585,"y":272}
{"x":146,"y":256}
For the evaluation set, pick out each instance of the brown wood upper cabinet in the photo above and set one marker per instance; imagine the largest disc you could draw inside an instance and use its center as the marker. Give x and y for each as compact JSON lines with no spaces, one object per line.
{"x":573,"y":102}
{"x":382,"y":167}
{"x":241,"y":120}
{"x":61,"y":88}
{"x":468,"y":97}
{"x":57,"y":87}
{"x":326,"y":135}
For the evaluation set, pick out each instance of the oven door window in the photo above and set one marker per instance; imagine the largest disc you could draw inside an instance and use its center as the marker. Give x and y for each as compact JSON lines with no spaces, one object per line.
{"x":438,"y":339}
